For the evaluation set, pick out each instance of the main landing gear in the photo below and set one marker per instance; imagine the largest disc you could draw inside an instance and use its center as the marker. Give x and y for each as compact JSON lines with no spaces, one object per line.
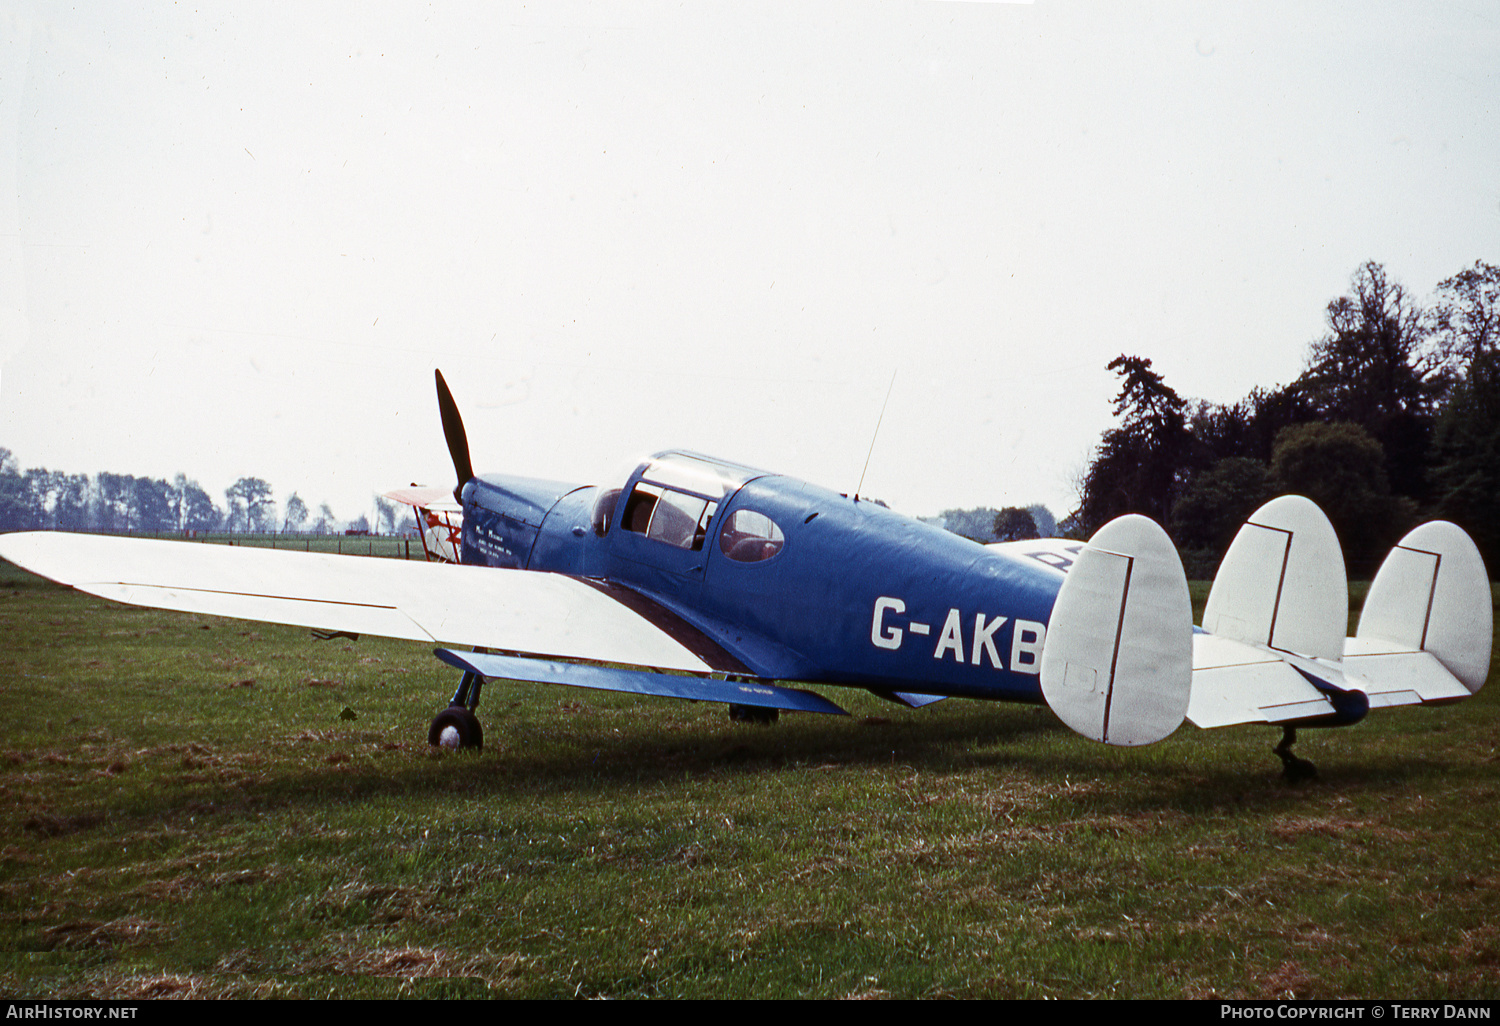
{"x":1293,"y":769}
{"x":457,"y":726}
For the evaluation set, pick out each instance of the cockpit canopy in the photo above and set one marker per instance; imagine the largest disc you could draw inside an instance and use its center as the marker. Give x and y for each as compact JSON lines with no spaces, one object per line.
{"x":674,"y":500}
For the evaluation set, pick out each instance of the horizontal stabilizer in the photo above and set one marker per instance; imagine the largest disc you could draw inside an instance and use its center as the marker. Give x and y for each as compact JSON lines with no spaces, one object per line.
{"x":1431,"y":597}
{"x":1234,"y":682}
{"x":1402,"y":677}
{"x":1117,"y":666}
{"x":1282,"y":583}
{"x":639,"y":682}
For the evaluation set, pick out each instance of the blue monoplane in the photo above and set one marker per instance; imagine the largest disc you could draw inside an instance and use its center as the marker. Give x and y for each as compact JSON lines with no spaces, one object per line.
{"x":703,"y":579}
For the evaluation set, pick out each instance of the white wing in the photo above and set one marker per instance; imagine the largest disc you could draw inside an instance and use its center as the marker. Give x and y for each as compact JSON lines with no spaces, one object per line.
{"x":515,"y":610}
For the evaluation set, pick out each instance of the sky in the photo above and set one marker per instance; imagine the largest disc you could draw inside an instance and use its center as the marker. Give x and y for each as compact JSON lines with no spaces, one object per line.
{"x":235,"y":240}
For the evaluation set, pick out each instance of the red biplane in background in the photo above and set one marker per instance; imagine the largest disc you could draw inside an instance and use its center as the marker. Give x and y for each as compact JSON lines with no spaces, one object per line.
{"x":440,"y":518}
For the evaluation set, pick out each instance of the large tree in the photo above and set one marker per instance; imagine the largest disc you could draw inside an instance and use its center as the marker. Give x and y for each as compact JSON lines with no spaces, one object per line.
{"x":385,"y":515}
{"x":73,"y":509}
{"x":15,"y":500}
{"x":327,"y":522}
{"x":1468,"y":450}
{"x":1218,"y":501}
{"x":153,"y":504}
{"x":1015,"y":524}
{"x":296,"y":513}
{"x":195,"y":510}
{"x":1342,"y":469}
{"x":1041,"y":516}
{"x":116,"y":497}
{"x":248,"y":498}
{"x":1140,"y":465}
{"x":1377,"y":368}
{"x":1467,"y":437}
{"x":1466,"y":316}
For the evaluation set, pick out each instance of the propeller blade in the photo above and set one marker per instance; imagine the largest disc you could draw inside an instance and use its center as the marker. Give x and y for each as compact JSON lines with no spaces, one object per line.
{"x":453,"y":431}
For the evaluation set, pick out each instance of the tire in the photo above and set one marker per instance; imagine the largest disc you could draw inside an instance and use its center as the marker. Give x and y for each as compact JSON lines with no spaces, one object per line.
{"x":463,"y":727}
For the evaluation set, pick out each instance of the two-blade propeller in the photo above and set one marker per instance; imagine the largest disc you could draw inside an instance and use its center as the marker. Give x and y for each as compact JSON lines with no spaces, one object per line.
{"x":458,"y":440}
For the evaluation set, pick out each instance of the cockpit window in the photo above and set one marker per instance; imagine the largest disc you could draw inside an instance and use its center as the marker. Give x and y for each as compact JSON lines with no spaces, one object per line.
{"x":638,"y":508}
{"x":750,"y":537}
{"x":665,"y":515}
{"x":604,"y":508}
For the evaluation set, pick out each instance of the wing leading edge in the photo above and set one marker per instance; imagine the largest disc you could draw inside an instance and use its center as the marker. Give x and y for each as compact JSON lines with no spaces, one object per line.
{"x":517,"y":610}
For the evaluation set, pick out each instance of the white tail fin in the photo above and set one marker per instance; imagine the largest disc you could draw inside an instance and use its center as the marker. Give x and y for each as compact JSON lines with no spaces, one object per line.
{"x":1118,"y":662}
{"x":1432,"y":595}
{"x":1282,"y":583}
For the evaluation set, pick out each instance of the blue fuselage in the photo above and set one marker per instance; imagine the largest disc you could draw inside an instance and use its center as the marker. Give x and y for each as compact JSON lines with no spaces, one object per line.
{"x":840,"y":591}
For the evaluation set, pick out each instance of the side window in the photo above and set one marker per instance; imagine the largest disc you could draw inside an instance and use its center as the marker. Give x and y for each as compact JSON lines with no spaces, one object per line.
{"x":750,"y":537}
{"x":638,"y":508}
{"x":664,"y":515}
{"x":704,"y":520}
{"x":604,"y":508}
{"x":676,"y":518}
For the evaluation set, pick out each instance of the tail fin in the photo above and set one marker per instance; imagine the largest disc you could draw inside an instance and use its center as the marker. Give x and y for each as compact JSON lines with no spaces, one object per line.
{"x":1282,"y":583}
{"x":1431,"y":595}
{"x":1273,"y":629}
{"x":1118,"y":661}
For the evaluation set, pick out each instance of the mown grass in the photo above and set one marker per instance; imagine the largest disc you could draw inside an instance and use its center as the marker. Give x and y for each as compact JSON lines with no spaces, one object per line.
{"x":184,"y":812}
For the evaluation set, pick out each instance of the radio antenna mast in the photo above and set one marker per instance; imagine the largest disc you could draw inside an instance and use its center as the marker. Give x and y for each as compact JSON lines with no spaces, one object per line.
{"x":875,"y":436}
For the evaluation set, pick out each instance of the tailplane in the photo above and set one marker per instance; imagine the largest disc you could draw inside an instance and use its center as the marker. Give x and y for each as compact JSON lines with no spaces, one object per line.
{"x":1273,"y":649}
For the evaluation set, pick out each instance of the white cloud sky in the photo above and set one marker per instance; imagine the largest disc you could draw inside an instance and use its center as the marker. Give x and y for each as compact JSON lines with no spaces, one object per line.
{"x":235,"y":240}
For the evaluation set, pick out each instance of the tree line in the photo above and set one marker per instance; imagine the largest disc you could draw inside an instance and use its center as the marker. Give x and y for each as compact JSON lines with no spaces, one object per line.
{"x":985,"y":524}
{"x":39,"y":499}
{"x":1394,"y":420}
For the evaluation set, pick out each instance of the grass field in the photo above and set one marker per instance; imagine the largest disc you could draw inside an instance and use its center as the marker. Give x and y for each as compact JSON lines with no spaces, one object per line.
{"x":186,"y":809}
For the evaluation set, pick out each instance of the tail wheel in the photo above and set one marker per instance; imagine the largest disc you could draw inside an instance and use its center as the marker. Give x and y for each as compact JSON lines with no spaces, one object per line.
{"x":456,"y":727}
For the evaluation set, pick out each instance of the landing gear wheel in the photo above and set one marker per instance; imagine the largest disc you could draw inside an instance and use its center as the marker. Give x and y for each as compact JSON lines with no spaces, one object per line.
{"x":753,"y":714}
{"x":1293,"y":769}
{"x":456,"y":727}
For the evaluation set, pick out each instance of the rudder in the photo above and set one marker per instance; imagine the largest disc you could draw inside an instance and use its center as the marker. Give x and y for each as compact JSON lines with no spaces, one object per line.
{"x":1432,"y":594}
{"x":1118,"y":663}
